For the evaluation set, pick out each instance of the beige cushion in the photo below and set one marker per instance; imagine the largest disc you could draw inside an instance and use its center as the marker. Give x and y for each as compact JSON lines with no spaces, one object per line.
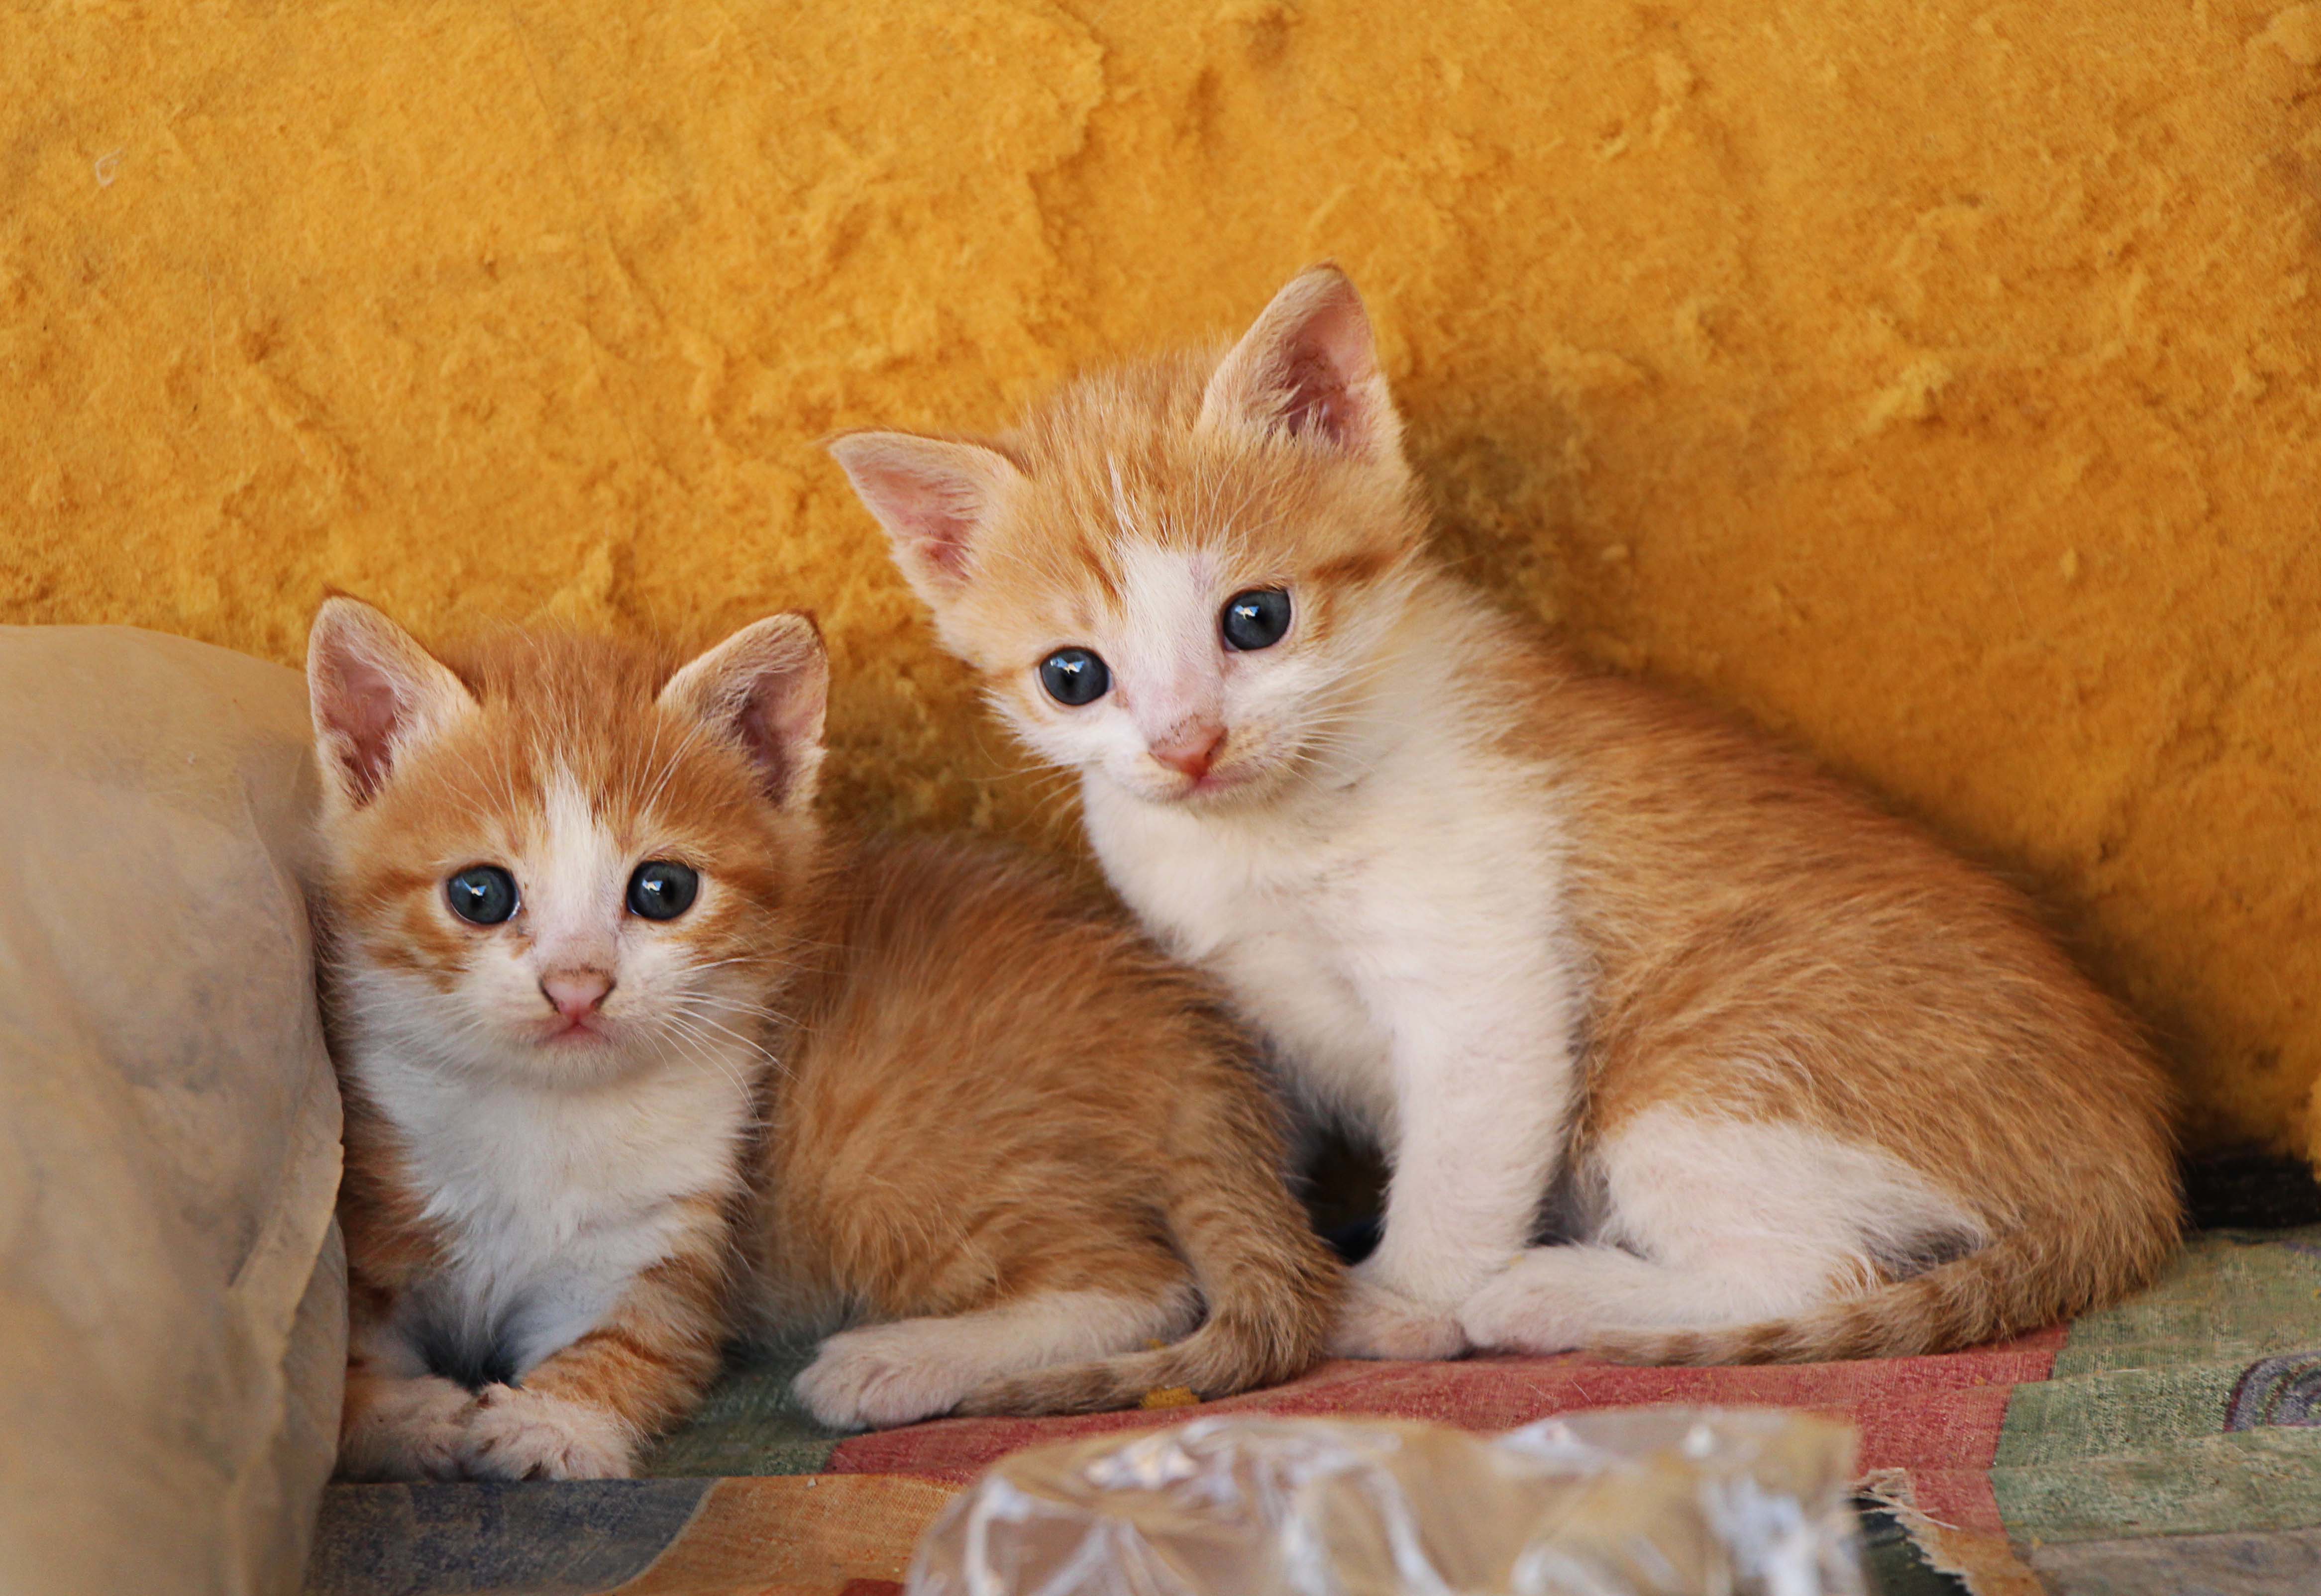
{"x":172,"y":1288}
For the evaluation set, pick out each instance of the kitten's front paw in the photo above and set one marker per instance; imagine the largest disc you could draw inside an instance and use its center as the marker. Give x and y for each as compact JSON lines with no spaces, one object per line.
{"x":880,"y":1376}
{"x":1377,"y":1320}
{"x":403,"y":1430}
{"x":513,"y":1434}
{"x":1518,"y":1310}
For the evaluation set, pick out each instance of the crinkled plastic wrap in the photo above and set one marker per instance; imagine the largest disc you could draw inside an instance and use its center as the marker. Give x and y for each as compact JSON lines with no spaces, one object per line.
{"x":1649,"y":1502}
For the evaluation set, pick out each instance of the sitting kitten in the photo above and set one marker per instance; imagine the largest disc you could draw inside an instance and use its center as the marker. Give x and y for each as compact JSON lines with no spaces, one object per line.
{"x":1779,"y":1078}
{"x":616,"y":1021}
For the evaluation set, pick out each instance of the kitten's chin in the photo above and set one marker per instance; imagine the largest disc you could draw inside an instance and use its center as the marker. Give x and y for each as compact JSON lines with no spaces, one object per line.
{"x":580,"y":1069}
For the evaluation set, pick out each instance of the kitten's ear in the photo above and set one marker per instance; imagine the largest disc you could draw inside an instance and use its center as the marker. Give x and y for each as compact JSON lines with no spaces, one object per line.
{"x":375,"y":692}
{"x":767,"y":687}
{"x":1310,"y":367}
{"x":931,"y":496}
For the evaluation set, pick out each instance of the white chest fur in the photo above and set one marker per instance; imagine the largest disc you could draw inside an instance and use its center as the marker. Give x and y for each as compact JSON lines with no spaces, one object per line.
{"x":550,"y":1201}
{"x":1399,"y":935}
{"x":1348,"y":917}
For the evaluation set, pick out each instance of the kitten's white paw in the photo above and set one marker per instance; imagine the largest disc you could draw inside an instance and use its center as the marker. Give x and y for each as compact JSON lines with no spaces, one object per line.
{"x":513,"y":1434}
{"x":1377,"y":1320}
{"x":410,"y":1431}
{"x":880,"y":1376}
{"x":1519,"y":1311}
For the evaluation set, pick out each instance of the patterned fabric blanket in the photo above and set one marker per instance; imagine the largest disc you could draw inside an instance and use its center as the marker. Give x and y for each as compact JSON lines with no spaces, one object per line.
{"x":2168,"y":1446}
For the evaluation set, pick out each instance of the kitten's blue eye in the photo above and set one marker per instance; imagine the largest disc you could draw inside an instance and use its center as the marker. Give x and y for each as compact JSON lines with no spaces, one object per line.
{"x":482,"y":894}
{"x":662,"y":888}
{"x":1074,"y":676}
{"x":1255,"y":620}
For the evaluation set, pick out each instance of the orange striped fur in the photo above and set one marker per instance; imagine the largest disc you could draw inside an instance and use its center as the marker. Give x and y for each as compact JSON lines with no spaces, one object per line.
{"x":999,"y":1101}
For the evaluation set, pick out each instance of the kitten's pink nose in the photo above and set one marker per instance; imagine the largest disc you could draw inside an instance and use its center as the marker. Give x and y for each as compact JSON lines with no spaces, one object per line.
{"x":576,"y":993}
{"x":1191,"y":748}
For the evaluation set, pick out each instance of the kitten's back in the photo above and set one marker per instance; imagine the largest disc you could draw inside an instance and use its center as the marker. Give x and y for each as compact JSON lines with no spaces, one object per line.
{"x":1768,"y":945}
{"x":997,"y":1086}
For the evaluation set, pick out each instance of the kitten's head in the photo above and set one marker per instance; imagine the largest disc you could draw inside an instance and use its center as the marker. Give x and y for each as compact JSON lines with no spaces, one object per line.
{"x":1176,"y":577}
{"x":550,"y":858}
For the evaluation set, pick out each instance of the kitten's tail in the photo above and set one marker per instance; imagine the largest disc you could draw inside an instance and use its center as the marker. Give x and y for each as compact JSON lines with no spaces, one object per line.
{"x":2031,"y":1277}
{"x":1269,"y":1284}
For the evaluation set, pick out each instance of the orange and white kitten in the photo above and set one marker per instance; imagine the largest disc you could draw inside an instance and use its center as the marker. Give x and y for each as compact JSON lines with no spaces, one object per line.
{"x":615,"y":1021}
{"x":1677,"y":1048}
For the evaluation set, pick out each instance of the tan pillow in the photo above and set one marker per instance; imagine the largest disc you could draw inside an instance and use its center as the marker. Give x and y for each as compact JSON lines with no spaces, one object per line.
{"x":172,"y":1288}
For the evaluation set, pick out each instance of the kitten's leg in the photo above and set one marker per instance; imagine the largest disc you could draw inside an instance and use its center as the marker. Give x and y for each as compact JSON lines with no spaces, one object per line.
{"x":1483,"y":1063}
{"x":583,"y":1411}
{"x":912,"y":1369}
{"x":1714,"y":1223}
{"x":398,"y":1422}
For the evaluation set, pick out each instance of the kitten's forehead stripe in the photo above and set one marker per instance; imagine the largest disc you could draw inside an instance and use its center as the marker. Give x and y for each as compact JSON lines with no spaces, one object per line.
{"x":577,"y":869}
{"x":1164,"y":594}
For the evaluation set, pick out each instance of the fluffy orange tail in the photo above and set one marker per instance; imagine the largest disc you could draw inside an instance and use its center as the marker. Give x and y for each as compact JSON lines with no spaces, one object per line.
{"x":1269,"y":1284}
{"x":2025,"y":1280}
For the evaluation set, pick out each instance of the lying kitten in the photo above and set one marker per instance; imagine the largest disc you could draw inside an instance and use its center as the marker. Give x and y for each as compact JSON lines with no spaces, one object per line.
{"x":1782,"y":1078}
{"x":615,"y":1021}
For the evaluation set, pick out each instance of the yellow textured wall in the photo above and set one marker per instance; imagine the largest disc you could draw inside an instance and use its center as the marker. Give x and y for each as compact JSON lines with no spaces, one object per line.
{"x":1935,"y":381}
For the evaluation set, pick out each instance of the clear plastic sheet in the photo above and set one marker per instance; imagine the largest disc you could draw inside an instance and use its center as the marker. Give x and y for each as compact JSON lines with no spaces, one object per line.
{"x":1649,"y":1502}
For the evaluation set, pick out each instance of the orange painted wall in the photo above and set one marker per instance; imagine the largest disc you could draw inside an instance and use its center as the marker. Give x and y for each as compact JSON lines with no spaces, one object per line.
{"x":1936,"y":382}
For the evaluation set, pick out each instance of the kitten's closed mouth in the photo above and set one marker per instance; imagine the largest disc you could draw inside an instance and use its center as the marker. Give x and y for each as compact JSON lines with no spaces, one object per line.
{"x":571,"y":1032}
{"x":1212,"y":782}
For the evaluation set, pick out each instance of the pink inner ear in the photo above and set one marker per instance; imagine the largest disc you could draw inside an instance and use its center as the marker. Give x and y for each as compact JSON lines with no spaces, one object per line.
{"x":1316,"y":399}
{"x":765,"y":731}
{"x":935,"y":513}
{"x":1321,"y":362}
{"x":779,"y":722}
{"x":366,"y":709}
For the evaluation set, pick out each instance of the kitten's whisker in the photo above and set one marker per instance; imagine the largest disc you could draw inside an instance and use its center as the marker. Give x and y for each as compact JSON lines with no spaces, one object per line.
{"x":697,"y":1048}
